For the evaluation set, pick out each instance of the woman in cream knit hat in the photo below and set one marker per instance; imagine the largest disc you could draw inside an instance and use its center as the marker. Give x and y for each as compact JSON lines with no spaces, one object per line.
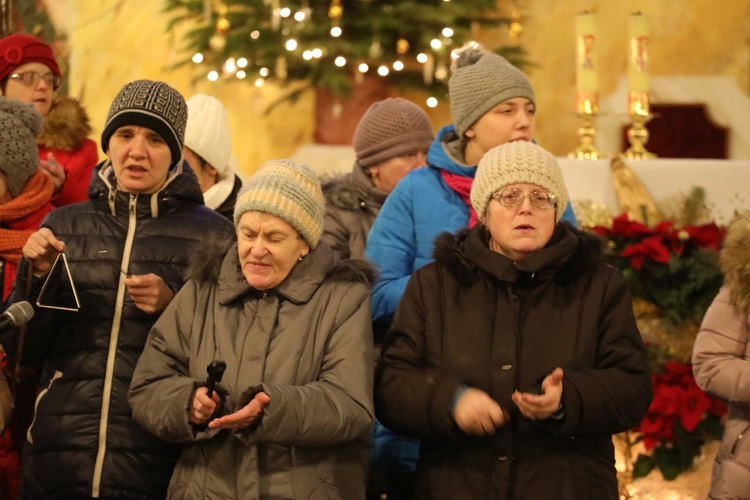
{"x":292,"y":324}
{"x":515,"y":355}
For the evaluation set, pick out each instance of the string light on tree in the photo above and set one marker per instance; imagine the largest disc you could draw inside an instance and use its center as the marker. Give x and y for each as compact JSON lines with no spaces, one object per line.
{"x":302,"y":40}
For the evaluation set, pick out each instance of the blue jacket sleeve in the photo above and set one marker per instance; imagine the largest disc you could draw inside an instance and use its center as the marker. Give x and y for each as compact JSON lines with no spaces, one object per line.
{"x":391,"y":246}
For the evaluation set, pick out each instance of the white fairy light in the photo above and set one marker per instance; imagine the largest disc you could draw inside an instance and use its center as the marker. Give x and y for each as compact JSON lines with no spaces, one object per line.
{"x":398,"y":65}
{"x":213,"y":76}
{"x":317,"y":53}
{"x":291,"y":44}
{"x":340,"y":61}
{"x":336,"y":32}
{"x":255,"y":34}
{"x":363,"y":68}
{"x":242,"y":62}
{"x":435,"y":43}
{"x":241,"y":74}
{"x":264,"y":72}
{"x":432,"y":102}
{"x":197,"y":58}
{"x":383,"y":70}
{"x":259,"y":82}
{"x":285,"y":12}
{"x":299,"y":16}
{"x":230,"y":66}
{"x":307,"y":55}
{"x":422,"y":57}
{"x":447,"y":32}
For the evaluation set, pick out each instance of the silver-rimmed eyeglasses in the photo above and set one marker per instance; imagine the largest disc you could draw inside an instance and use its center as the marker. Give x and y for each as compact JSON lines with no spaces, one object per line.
{"x":512,"y":197}
{"x":31,"y":78}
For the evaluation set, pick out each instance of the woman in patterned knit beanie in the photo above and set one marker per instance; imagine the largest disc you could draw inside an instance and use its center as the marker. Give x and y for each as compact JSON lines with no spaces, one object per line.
{"x":292,"y":324}
{"x":126,"y":252}
{"x":492,"y":103}
{"x":530,"y":343}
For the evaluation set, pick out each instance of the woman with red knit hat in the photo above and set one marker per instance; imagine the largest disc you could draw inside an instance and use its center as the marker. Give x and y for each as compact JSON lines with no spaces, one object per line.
{"x":29,"y":72}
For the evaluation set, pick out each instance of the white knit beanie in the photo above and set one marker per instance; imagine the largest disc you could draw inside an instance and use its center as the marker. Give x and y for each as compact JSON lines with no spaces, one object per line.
{"x":517,"y":162}
{"x":207,"y":132}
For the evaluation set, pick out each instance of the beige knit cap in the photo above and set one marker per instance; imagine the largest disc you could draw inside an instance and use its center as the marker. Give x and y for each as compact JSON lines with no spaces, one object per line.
{"x":290,"y":191}
{"x":481,"y":80}
{"x":391,"y":127}
{"x":518,"y":162}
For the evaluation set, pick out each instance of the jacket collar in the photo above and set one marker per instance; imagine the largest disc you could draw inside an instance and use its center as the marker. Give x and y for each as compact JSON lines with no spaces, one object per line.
{"x":298,"y":287}
{"x":446,"y":153}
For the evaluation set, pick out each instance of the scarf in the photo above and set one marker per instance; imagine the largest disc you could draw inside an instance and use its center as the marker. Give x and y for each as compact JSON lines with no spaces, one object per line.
{"x":20,"y":217}
{"x":219,"y":192}
{"x":462,"y":186}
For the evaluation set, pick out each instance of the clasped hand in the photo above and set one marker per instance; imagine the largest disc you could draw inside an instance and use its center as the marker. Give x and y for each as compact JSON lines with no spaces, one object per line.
{"x":203,"y":407}
{"x":476,"y":413}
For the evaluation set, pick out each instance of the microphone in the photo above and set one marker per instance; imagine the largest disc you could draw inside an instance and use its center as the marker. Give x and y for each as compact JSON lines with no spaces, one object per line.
{"x":16,"y":315}
{"x":215,"y":371}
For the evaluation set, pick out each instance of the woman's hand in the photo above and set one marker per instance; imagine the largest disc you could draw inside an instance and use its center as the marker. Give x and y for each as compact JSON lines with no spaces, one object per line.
{"x":476,"y":413}
{"x":542,"y":406}
{"x":41,"y":250}
{"x":203,"y":407}
{"x":149,"y":292}
{"x":246,"y":416}
{"x":56,"y":172}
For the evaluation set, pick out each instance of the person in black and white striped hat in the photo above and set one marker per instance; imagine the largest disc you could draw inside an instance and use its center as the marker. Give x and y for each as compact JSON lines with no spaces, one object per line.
{"x":127,"y":251}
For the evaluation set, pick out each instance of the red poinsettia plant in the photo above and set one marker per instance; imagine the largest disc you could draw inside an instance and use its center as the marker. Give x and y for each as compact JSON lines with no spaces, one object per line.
{"x":674,"y":267}
{"x":679,"y":421}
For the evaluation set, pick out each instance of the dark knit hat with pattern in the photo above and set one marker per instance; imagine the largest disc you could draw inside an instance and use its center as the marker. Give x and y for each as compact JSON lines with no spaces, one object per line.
{"x":153,"y":105}
{"x":391,"y":127}
{"x":19,"y":49}
{"x":20,"y":124}
{"x":481,"y":80}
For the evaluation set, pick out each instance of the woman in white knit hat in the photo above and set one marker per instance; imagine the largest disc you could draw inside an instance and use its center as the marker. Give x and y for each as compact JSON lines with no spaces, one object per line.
{"x":515,"y":356}
{"x":208,"y":150}
{"x":291,"y":416}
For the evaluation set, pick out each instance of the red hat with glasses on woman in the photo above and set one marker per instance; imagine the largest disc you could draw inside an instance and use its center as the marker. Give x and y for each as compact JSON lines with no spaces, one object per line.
{"x":19,"y":49}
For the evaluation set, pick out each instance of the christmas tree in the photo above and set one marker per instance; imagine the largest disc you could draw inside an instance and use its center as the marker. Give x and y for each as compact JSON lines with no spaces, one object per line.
{"x":330,"y":44}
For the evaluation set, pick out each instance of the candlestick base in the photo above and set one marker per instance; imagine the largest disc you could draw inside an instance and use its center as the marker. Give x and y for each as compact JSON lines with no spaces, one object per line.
{"x":586,"y":133}
{"x":638,"y":137}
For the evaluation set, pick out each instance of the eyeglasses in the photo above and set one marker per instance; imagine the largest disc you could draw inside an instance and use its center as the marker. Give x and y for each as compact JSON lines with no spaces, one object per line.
{"x":512,"y":197}
{"x":31,"y":78}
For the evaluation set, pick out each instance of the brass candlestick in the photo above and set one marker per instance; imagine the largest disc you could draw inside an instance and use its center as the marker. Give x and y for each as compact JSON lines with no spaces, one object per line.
{"x":588,"y":107}
{"x":638,"y":107}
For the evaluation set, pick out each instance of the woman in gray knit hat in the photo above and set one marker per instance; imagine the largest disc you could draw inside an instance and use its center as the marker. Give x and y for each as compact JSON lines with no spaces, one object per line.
{"x":391,"y":139}
{"x":291,"y":415}
{"x":126,"y":250}
{"x":515,"y":355}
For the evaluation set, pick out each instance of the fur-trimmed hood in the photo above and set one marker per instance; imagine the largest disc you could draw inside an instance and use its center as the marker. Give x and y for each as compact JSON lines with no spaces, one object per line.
{"x":352,"y":192}
{"x":735,"y":260}
{"x":212,"y":260}
{"x":570,"y":254}
{"x":66,"y":125}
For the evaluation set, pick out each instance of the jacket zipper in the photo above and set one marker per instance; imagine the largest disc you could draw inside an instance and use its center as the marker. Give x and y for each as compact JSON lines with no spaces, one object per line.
{"x":112,"y":352}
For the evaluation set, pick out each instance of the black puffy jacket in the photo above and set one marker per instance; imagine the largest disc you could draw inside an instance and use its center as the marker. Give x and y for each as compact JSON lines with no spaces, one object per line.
{"x":83,"y":441}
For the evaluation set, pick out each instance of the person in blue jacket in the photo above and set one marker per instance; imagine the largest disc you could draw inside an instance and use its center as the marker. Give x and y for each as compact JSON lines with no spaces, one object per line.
{"x":492,"y":103}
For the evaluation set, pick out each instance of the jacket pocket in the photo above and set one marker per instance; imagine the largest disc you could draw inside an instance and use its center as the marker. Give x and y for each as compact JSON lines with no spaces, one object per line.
{"x":39,"y":397}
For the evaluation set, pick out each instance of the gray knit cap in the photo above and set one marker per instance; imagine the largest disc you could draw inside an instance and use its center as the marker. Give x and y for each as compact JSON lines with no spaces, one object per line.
{"x":481,"y":80}
{"x":517,"y":162}
{"x":390,"y":128}
{"x":290,"y":191}
{"x":153,"y":105}
{"x":20,"y":124}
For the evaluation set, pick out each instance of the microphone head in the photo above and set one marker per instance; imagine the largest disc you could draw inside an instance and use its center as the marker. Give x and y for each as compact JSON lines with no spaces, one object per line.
{"x":19,"y":313}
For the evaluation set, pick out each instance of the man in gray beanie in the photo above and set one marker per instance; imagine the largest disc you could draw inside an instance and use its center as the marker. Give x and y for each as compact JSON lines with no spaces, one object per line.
{"x":391,"y":139}
{"x":492,"y":103}
{"x":126,"y":251}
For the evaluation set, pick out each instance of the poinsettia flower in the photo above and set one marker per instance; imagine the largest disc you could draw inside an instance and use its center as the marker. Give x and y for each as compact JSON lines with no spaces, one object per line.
{"x":651,"y":247}
{"x":623,"y":226}
{"x":707,"y":235}
{"x":695,"y":404}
